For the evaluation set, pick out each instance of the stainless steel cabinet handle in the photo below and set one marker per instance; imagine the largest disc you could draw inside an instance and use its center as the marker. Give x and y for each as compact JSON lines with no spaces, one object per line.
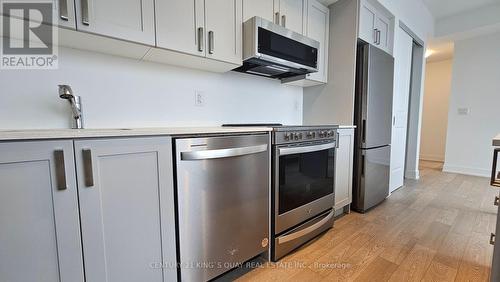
{"x":60,"y":170}
{"x":378,"y":36}
{"x":85,"y":12}
{"x":497,"y":201}
{"x":375,"y":34}
{"x":222,"y":153}
{"x":211,"y":43}
{"x":277,"y":18}
{"x":200,"y":39}
{"x":495,"y":180}
{"x":63,"y":10}
{"x":305,"y":149}
{"x":492,"y":239}
{"x":87,"y":167}
{"x":283,"y":20}
{"x":305,"y":231}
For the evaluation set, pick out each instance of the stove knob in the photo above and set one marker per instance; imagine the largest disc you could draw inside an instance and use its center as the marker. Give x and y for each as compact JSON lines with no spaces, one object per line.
{"x":300,"y":136}
{"x":287,"y":136}
{"x":310,"y":135}
{"x":321,"y":134}
{"x":330,"y":133}
{"x":296,"y":135}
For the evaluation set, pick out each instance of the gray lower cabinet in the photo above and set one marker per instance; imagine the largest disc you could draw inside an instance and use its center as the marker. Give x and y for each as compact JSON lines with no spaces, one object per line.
{"x":88,"y":210}
{"x":39,"y":223}
{"x":343,"y":168}
{"x":125,"y":188}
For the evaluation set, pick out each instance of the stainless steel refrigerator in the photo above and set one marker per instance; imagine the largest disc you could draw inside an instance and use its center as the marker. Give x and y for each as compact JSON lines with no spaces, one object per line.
{"x":373,"y":118}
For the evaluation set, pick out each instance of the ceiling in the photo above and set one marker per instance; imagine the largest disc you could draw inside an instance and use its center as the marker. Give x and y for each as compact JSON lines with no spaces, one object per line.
{"x":445,"y":8}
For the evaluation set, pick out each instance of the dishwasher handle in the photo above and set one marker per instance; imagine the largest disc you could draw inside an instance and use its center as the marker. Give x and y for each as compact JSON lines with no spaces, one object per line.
{"x":223,"y":153}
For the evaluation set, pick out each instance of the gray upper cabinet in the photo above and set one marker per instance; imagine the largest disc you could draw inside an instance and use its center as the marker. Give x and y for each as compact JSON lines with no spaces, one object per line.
{"x":131,"y":20}
{"x":318,"y":19}
{"x":127,"y":209}
{"x":375,"y":25}
{"x":40,"y":230}
{"x":367,"y":19}
{"x":210,"y":28}
{"x":382,"y":25}
{"x":260,"y":8}
{"x":65,"y":11}
{"x":223,"y":21}
{"x":180,"y":26}
{"x":290,"y":14}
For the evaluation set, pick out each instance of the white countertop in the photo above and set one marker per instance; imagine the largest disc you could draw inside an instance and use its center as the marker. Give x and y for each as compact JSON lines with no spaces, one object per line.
{"x":37,"y":134}
{"x":496,"y":141}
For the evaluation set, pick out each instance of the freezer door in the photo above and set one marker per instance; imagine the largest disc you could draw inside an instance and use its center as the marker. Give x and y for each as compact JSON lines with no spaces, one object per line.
{"x":378,"y":76}
{"x":373,"y":185}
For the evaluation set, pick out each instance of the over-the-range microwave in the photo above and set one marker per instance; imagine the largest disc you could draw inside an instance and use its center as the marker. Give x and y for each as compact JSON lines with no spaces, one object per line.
{"x":274,"y":51}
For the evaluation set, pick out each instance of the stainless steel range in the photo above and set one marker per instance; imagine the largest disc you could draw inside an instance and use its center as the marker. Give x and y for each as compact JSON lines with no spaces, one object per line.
{"x":302,"y":197}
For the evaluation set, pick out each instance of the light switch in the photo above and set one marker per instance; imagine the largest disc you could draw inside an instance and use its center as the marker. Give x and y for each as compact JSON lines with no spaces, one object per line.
{"x":463,"y":111}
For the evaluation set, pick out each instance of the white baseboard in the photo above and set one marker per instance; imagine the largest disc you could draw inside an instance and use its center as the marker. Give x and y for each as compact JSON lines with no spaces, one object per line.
{"x":432,"y":158}
{"x":467,"y":170}
{"x":412,"y":174}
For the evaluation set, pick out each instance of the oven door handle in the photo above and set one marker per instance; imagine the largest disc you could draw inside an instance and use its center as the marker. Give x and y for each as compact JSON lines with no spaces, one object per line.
{"x":305,"y":149}
{"x":223,"y":153}
{"x":305,"y":231}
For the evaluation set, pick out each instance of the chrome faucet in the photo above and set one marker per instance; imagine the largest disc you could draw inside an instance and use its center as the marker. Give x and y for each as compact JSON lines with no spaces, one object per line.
{"x":65,"y":92}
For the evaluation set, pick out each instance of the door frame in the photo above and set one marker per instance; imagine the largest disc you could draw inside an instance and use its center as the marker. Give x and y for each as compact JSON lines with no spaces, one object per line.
{"x":415,"y":106}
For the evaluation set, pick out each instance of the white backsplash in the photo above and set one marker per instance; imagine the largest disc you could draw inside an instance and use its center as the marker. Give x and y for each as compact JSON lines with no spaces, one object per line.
{"x":119,"y":92}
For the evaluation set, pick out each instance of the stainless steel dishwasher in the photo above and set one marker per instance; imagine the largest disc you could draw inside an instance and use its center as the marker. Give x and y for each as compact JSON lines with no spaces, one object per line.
{"x":222,"y":186}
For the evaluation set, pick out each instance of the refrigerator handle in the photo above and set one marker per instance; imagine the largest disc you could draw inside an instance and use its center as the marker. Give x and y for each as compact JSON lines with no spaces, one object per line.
{"x":362,"y":165}
{"x":363,"y":131}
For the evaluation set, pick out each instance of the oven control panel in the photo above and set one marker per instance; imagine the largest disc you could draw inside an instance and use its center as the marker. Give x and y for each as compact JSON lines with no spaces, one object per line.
{"x":284,"y":137}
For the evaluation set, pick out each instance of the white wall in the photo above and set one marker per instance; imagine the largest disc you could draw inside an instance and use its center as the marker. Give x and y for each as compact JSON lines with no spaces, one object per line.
{"x":475,"y":85}
{"x":119,"y":92}
{"x":435,"y":110}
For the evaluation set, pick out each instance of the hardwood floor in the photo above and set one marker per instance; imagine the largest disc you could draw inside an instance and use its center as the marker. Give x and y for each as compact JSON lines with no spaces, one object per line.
{"x":434,"y":229}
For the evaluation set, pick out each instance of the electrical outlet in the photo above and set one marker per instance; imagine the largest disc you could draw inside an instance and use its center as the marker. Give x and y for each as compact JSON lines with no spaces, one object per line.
{"x":463,"y":111}
{"x":199,"y":99}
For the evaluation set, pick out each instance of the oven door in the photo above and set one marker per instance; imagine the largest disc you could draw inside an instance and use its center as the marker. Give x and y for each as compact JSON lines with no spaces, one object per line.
{"x":303,"y":183}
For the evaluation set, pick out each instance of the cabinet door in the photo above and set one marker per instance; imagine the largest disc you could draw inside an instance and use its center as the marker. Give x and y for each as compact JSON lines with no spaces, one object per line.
{"x":223,"y":21}
{"x":367,"y":18}
{"x":180,"y":25}
{"x":343,"y":169}
{"x":382,"y":25}
{"x":40,"y":230}
{"x":292,"y":15}
{"x":65,"y":11}
{"x":131,"y":20}
{"x":127,"y":210}
{"x":260,"y":8}
{"x":318,"y":18}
